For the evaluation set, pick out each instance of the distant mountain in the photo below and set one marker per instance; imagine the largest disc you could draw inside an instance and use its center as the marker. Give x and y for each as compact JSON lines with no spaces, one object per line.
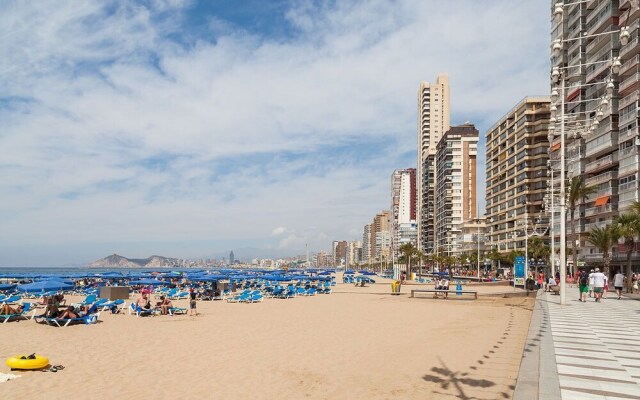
{"x":116,"y":261}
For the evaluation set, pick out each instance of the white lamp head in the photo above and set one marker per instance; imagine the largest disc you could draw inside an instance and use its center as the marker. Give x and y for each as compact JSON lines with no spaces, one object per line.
{"x":595,"y":123}
{"x":610,"y":87}
{"x":558,"y":11}
{"x":615,"y":65}
{"x":556,"y":47}
{"x":624,"y":35}
{"x":554,"y":95}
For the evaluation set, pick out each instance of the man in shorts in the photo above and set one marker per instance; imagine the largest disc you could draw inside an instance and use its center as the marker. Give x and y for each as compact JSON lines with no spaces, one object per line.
{"x":598,"y":284}
{"x":618,"y":283}
{"x":583,"y":284}
{"x":591,"y":283}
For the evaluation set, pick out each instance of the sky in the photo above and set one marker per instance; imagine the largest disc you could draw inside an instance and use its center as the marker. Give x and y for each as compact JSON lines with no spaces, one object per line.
{"x":188,"y":129}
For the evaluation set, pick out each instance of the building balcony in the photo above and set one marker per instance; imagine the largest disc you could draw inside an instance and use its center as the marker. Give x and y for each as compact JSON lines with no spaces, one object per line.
{"x":629,"y":99}
{"x":629,"y":66}
{"x":627,"y":133}
{"x":602,"y":144}
{"x":607,"y":176}
{"x":601,"y":21}
{"x":629,"y":84}
{"x":601,"y":210}
{"x":630,"y":49}
{"x":602,"y":163}
{"x":628,"y":117}
{"x":595,"y":70}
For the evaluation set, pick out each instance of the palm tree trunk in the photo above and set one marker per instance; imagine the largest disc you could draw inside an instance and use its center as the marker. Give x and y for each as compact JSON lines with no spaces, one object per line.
{"x":574,"y":255}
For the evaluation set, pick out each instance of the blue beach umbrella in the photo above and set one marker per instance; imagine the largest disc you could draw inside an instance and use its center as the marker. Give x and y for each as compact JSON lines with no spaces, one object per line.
{"x":6,"y":286}
{"x":147,"y":282}
{"x":44,"y":286}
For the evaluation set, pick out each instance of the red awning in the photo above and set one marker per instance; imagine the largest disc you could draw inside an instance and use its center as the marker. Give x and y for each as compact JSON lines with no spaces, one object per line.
{"x":555,"y":146}
{"x":602,"y":200}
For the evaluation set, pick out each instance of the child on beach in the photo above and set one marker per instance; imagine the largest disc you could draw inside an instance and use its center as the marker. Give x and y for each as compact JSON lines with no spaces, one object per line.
{"x":192,"y":302}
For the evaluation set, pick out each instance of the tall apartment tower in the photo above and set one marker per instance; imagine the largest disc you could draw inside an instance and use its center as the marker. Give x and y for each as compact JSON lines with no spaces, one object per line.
{"x":339,"y":252}
{"x":367,"y":253}
{"x":433,"y":122}
{"x":381,"y":236}
{"x":601,"y":136}
{"x":455,"y":192}
{"x":403,"y":209}
{"x":517,"y":152}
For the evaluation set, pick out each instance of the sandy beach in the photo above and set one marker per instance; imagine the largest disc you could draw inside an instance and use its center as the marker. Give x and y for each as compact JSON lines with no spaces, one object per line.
{"x":357,"y":343}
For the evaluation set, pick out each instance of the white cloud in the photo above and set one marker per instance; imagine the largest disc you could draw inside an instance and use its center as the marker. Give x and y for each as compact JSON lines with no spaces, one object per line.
{"x":278,"y":231}
{"x":113,"y":131}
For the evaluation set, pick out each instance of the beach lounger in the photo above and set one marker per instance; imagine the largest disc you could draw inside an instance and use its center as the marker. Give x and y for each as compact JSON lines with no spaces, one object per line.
{"x":239,"y":298}
{"x":139,"y":311}
{"x":115,"y":306}
{"x":23,"y":314}
{"x":87,"y":320}
{"x":177,"y":310}
{"x":11,"y":300}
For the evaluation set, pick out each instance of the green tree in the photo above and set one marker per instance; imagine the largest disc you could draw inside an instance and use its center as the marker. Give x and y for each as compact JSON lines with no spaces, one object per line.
{"x":628,"y":226}
{"x":409,"y":253}
{"x":578,"y":192}
{"x":604,"y":239}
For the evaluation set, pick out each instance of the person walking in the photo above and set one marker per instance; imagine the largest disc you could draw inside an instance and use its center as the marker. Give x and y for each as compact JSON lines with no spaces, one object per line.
{"x":618,"y":283}
{"x":583,"y":284}
{"x":634,"y":283}
{"x":192,"y":302}
{"x":591,"y":283}
{"x":598,"y":284}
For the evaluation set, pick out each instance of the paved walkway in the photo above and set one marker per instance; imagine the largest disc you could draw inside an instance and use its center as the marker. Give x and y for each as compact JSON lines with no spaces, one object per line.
{"x":596,"y":346}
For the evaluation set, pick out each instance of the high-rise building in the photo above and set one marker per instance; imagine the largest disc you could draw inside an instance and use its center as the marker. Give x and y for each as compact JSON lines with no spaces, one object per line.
{"x":355,"y":253}
{"x":322,"y":259}
{"x":367,"y":251}
{"x":470,"y":238}
{"x":433,"y":122}
{"x":339,"y":252}
{"x":516,"y":161}
{"x":403,"y":209}
{"x":381,"y":236}
{"x":455,"y":193}
{"x":232,"y":258}
{"x":601,"y":112}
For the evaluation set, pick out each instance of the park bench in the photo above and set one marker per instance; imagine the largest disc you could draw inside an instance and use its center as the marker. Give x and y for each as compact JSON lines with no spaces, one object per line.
{"x":450,"y":291}
{"x":555,"y":289}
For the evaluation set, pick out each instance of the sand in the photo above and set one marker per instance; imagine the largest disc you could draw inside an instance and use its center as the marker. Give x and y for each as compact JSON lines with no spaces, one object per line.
{"x":357,"y":343}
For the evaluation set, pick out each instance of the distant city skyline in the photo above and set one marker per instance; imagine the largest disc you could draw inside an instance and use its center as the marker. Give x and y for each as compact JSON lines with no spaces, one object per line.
{"x":188,"y":128}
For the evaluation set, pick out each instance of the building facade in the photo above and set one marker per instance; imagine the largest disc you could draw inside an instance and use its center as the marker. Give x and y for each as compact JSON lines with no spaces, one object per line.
{"x":455,"y":192}
{"x":471,"y":237}
{"x":516,"y":162}
{"x":403,"y":209}
{"x":367,"y":251}
{"x":339,"y":252}
{"x":601,"y":112}
{"x":355,"y":253}
{"x":433,"y":122}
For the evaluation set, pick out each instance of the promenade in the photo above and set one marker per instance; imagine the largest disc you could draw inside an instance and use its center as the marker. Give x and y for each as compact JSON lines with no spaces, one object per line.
{"x":582,"y":350}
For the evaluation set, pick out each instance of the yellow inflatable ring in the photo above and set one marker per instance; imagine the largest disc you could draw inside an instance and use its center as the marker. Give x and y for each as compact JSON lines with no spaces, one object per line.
{"x":18,"y":363}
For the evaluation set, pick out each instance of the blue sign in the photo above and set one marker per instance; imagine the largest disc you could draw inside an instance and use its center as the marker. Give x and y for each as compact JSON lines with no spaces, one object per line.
{"x":519,"y":267}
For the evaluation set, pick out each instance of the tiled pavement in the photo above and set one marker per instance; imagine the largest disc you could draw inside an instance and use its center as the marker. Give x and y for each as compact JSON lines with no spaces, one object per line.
{"x":597,"y":347}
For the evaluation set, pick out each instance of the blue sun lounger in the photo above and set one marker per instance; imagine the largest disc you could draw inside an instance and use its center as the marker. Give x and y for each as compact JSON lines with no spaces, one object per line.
{"x":139,"y":311}
{"x":91,"y":318}
{"x":23,"y":314}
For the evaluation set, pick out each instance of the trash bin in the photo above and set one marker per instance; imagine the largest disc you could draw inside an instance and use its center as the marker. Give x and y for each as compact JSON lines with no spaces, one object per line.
{"x":395,"y":287}
{"x":412,"y":276}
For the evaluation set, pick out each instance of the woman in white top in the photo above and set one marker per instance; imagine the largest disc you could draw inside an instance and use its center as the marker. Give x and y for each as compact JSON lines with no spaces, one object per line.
{"x":618,"y":283}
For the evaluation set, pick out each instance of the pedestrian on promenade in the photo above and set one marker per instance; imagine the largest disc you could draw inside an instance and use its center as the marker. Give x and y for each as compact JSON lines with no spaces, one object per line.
{"x":591,"y":283}
{"x":583,"y":284}
{"x":598,"y":284}
{"x":618,"y":282}
{"x":634,"y":283}
{"x":606,"y":287}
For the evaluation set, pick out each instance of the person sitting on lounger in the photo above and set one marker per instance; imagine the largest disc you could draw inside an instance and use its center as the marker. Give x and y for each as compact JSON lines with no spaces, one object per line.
{"x":69,"y":313}
{"x":8,"y":310}
{"x":143,"y":302}
{"x":164,"y":305}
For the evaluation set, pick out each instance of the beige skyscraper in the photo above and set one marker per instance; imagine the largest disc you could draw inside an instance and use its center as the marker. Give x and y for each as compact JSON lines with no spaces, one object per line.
{"x":433,"y":122}
{"x":455,"y":193}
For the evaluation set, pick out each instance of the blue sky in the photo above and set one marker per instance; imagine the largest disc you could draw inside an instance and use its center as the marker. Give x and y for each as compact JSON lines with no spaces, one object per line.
{"x":187,"y":128}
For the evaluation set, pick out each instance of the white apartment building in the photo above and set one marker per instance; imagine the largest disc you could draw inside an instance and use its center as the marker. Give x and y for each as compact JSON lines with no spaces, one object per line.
{"x":403,"y":209}
{"x":433,"y":122}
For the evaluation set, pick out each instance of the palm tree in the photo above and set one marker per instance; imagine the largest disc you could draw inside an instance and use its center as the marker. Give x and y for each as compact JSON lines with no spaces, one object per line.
{"x":539,"y":249}
{"x":604,"y":239}
{"x":409,"y":251}
{"x":494,"y":255}
{"x":628,"y":226}
{"x":578,"y":192}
